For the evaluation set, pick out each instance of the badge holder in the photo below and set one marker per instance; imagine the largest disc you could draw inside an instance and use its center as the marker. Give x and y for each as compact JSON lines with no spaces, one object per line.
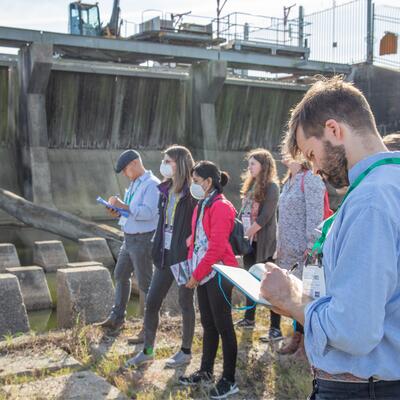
{"x":314,"y":277}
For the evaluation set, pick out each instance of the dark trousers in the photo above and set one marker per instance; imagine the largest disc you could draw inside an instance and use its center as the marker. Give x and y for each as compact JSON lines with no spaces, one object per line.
{"x":248,"y":261}
{"x":330,"y":390}
{"x":216,"y":319}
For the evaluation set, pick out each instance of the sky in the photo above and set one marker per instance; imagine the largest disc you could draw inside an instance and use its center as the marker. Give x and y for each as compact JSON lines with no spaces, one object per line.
{"x":52,"y":15}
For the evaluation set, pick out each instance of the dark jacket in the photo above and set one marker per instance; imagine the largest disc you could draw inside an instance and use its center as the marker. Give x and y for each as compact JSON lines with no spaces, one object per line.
{"x":181,"y":230}
{"x":267,"y":219}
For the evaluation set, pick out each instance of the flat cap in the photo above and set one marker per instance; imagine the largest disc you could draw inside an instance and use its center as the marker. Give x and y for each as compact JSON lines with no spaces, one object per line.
{"x":125,"y":158}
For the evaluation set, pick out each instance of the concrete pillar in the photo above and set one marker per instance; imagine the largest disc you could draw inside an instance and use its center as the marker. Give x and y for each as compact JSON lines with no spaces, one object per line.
{"x":207,"y":82}
{"x":8,"y":256}
{"x":95,"y":249}
{"x":13,"y":316}
{"x":35,"y":291}
{"x":84,"y":294}
{"x":50,"y":255}
{"x":35,"y":62}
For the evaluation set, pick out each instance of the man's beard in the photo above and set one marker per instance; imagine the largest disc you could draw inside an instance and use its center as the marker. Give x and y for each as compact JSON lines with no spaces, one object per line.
{"x":334,"y":168}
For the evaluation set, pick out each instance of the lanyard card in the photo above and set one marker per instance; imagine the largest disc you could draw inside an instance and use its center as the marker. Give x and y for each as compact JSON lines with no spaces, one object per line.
{"x":314,"y":281}
{"x":167,"y":237}
{"x":246,"y":221}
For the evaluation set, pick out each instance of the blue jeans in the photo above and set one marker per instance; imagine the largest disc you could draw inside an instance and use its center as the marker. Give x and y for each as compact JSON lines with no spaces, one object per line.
{"x":134,"y":256}
{"x":330,"y":390}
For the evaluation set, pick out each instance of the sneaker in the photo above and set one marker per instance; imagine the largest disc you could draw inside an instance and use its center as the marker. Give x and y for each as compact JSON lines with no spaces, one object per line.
{"x":224,"y":389}
{"x":139,"y":359}
{"x":111,"y":324}
{"x":274,"y":334}
{"x":178,"y":359}
{"x":197,"y":378}
{"x":245,"y":323}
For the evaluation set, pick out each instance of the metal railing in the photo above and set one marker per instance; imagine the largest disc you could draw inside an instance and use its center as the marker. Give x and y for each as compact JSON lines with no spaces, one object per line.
{"x":351,"y":33}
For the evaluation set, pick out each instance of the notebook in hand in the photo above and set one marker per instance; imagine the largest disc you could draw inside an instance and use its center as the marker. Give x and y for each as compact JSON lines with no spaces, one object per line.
{"x":105,"y":203}
{"x":248,"y":282}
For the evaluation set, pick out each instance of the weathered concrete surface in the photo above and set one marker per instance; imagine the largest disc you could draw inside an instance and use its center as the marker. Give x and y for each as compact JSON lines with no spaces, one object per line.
{"x":83,"y":385}
{"x":31,"y":362}
{"x":13,"y":317}
{"x":8,"y":256}
{"x":34,"y":288}
{"x":95,"y":249}
{"x":80,"y":264}
{"x":50,"y":255}
{"x":85,"y":293}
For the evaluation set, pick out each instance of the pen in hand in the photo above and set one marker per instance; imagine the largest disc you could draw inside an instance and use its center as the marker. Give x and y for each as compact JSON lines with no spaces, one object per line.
{"x":294,"y":266}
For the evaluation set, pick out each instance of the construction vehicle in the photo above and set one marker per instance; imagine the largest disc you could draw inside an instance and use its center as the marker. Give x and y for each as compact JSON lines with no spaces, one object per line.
{"x":84,"y":20}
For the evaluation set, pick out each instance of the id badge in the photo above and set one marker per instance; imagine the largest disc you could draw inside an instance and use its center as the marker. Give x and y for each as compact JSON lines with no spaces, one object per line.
{"x":122,"y":221}
{"x":167,"y":238}
{"x":246,"y":221}
{"x":314,"y":281}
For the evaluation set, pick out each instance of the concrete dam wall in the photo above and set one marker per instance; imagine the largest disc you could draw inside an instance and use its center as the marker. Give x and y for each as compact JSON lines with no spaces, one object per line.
{"x":90,"y":118}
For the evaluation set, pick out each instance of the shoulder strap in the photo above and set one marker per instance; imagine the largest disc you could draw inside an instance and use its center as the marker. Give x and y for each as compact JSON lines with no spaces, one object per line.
{"x":303,"y":175}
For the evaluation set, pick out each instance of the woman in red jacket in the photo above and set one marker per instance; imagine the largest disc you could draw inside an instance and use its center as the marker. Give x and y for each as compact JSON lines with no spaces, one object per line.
{"x":212,"y":223}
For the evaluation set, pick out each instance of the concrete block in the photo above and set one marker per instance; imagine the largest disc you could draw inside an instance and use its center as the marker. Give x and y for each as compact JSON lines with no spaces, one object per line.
{"x":13,"y":317}
{"x":8,"y":256}
{"x":86,"y":293}
{"x":50,"y":255}
{"x":81,"y":264}
{"x":78,"y":385}
{"x":32,"y":362}
{"x":95,"y":249}
{"x":34,"y":288}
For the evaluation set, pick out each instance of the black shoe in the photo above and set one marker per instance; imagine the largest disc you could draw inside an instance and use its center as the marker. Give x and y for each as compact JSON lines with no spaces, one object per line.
{"x":196,"y":378}
{"x":224,"y":389}
{"x":111,"y":324}
{"x":245,"y":323}
{"x":274,"y":334}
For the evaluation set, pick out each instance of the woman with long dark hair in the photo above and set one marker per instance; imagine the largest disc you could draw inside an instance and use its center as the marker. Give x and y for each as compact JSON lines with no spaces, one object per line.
{"x":212,"y":223}
{"x":176,"y":207}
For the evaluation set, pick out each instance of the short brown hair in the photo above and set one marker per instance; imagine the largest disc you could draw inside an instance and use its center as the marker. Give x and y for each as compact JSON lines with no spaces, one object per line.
{"x":328,"y":98}
{"x":392,"y":141}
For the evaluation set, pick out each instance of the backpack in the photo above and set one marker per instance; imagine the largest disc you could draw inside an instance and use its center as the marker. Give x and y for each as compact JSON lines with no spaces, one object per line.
{"x":327,"y":209}
{"x":240,"y":245}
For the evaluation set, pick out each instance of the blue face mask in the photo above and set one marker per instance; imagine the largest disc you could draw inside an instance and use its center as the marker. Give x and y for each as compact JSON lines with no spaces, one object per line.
{"x":197,"y":191}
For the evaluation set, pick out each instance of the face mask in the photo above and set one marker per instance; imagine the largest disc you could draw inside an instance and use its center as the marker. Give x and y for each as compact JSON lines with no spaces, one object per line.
{"x":166,"y":170}
{"x":197,"y":191}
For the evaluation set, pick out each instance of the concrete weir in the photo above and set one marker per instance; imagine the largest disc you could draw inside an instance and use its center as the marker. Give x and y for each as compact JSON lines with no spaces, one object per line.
{"x":8,"y":256}
{"x":34,"y":288}
{"x":85,"y":294}
{"x":95,"y":249}
{"x":50,"y":255}
{"x":13,"y":317}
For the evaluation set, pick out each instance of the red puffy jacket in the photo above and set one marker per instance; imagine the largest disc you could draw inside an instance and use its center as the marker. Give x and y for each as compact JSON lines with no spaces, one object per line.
{"x":218,"y":221}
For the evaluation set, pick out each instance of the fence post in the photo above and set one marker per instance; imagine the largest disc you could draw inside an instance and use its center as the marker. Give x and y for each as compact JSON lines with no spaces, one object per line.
{"x":301,"y":26}
{"x":370,"y":32}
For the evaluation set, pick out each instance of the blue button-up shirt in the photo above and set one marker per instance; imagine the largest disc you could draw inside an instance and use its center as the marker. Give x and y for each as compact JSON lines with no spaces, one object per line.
{"x":355,"y":328}
{"x":142,"y":197}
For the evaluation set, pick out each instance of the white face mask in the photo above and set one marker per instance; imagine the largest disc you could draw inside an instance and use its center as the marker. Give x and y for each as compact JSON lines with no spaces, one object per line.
{"x":166,"y":170}
{"x":197,"y":191}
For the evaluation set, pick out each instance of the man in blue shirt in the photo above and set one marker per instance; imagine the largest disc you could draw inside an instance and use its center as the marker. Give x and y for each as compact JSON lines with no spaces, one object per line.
{"x":352,"y":332}
{"x":141,"y":201}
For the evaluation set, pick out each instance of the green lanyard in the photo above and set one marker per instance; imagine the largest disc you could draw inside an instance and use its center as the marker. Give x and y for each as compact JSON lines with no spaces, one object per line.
{"x":129,"y":196}
{"x":328,"y":223}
